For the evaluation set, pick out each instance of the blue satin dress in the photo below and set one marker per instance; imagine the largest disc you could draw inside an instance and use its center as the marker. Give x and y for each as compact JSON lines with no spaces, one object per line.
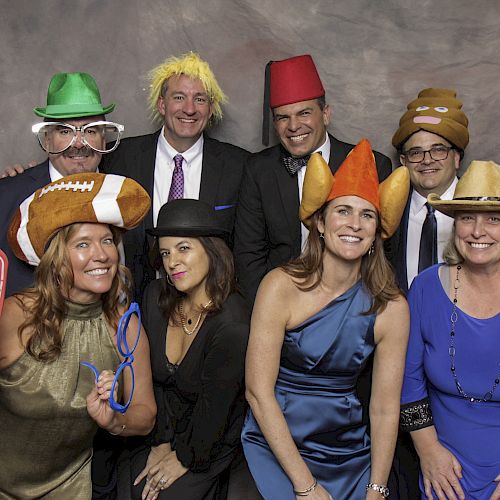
{"x":320,"y":363}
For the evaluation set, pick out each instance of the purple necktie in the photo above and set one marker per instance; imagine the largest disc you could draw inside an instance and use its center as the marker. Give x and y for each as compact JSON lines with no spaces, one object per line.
{"x":177,"y":185}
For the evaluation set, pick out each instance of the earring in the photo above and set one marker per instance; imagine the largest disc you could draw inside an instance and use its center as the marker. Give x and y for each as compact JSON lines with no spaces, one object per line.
{"x":169,"y":280}
{"x":322,"y":235}
{"x":372,"y":250}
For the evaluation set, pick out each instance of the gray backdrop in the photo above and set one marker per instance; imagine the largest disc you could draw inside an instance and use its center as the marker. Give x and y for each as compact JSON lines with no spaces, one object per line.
{"x":373,"y":57}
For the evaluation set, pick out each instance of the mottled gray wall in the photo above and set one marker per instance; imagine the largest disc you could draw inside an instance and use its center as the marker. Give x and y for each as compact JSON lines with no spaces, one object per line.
{"x":373,"y":56}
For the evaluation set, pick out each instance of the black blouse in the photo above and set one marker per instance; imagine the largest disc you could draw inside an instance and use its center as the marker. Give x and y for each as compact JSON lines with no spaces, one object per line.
{"x":201,"y":403}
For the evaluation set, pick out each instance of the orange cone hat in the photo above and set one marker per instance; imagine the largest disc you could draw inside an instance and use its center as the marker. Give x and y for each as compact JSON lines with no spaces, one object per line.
{"x":357,"y":176}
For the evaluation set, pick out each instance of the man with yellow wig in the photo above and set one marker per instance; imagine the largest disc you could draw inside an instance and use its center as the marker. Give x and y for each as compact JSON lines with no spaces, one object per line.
{"x":179,"y":160}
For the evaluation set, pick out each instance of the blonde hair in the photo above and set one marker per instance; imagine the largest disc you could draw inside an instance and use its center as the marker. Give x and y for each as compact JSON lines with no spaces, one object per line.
{"x":193,"y":66}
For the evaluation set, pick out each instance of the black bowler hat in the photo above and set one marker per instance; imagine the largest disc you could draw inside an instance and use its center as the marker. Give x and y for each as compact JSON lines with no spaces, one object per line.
{"x":186,"y":217}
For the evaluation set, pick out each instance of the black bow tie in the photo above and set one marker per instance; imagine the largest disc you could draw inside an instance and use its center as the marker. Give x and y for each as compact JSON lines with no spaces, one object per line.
{"x":293,"y":165}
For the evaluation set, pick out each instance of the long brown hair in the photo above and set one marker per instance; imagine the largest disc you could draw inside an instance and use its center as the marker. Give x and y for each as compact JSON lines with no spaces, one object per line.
{"x":220,"y":280}
{"x":376,"y":272}
{"x":44,"y":303}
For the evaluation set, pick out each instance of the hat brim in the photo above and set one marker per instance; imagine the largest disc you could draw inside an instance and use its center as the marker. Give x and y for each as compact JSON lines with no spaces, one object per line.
{"x":73,"y":111}
{"x":195,"y":231}
{"x":449,"y":207}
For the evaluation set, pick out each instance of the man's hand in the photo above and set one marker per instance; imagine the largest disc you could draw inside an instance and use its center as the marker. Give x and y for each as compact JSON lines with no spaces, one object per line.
{"x":13,"y":170}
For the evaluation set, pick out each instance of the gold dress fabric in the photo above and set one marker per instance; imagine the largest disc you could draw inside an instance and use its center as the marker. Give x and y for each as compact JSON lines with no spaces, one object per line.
{"x":46,"y":432}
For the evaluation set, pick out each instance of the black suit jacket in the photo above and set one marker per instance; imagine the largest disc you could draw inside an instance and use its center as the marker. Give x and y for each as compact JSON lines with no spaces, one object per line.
{"x":13,"y":191}
{"x":222,"y":170}
{"x":267,"y":231}
{"x":396,"y":249}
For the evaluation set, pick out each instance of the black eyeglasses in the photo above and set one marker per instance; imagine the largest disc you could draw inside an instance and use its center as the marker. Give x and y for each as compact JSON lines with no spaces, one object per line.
{"x":437,"y":153}
{"x":126,"y":352}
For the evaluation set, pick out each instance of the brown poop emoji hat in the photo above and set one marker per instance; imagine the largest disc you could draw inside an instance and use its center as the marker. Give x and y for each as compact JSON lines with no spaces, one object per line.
{"x":79,"y":198}
{"x":437,"y":111}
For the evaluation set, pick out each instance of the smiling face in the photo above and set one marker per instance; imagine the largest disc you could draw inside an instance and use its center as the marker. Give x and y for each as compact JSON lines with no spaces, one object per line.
{"x":430,"y":176}
{"x":186,"y":110}
{"x":186,"y":263}
{"x":78,"y":157}
{"x":477,"y":237}
{"x":349,"y":227}
{"x":94,"y":260}
{"x":301,"y":126}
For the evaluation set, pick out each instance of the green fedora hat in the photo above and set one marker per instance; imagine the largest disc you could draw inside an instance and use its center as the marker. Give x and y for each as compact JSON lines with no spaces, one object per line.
{"x":73,"y":95}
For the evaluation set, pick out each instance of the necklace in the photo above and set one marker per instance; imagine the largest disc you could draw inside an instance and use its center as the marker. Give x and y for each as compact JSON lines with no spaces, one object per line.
{"x":452,"y":351}
{"x":197,"y":323}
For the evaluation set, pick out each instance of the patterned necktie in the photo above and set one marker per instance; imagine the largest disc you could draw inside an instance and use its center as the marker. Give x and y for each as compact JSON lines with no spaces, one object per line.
{"x":428,"y":241}
{"x":293,"y":165}
{"x":177,"y":185}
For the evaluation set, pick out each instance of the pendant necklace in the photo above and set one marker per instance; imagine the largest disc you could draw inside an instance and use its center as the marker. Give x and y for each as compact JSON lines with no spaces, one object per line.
{"x":452,"y":351}
{"x":189,"y":321}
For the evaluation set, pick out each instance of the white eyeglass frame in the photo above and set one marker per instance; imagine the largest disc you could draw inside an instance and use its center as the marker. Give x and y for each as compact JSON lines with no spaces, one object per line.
{"x":120,"y":128}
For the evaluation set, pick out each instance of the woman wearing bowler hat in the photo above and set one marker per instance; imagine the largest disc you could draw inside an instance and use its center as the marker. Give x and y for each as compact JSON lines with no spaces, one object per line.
{"x":198,"y":330}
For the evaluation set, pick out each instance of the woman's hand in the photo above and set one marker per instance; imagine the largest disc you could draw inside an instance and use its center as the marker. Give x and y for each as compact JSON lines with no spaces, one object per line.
{"x":441,"y":472}
{"x":160,"y":475}
{"x":496,"y":493}
{"x":319,"y":493}
{"x":156,"y":454}
{"x":98,"y":399}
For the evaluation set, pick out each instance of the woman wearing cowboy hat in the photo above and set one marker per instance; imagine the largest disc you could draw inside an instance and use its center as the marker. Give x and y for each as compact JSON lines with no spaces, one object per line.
{"x":51,"y":405}
{"x":198,"y":330}
{"x":315,"y":323}
{"x":451,"y":398}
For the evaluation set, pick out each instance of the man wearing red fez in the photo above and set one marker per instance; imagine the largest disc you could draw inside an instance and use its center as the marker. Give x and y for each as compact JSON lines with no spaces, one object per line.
{"x":268,"y":231}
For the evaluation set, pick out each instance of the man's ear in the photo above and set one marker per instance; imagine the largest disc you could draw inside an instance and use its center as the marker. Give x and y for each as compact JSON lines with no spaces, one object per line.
{"x":160,"y":105}
{"x":327,"y":115}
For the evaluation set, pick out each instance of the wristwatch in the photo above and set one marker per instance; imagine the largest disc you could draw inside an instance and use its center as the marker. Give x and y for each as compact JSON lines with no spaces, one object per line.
{"x":383,"y":490}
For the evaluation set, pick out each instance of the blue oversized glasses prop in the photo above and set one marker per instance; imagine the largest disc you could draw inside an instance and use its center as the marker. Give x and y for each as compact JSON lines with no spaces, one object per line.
{"x":126,"y":352}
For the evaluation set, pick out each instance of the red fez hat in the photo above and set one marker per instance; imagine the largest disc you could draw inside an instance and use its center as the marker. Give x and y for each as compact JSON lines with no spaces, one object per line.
{"x":294,"y":80}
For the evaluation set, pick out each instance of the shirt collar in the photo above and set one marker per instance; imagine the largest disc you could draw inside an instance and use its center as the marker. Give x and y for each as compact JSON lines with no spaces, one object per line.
{"x":418,"y":201}
{"x":55,"y":175}
{"x":188,"y":155}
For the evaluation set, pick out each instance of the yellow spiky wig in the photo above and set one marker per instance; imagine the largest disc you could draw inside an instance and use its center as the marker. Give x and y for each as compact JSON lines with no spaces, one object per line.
{"x":192,"y":65}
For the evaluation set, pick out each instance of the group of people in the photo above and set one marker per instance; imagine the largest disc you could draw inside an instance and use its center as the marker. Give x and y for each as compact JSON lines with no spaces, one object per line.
{"x":276,"y":278}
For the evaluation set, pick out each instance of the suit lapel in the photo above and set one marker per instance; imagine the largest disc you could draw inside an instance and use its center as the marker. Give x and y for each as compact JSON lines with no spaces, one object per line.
{"x":146,"y":158}
{"x":289,"y":193}
{"x":211,"y":172}
{"x":401,"y":264}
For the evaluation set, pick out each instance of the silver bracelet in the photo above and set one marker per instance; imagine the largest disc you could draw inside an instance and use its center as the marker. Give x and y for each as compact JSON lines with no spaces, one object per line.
{"x":305,"y":493}
{"x":383,"y":490}
{"x":119,"y":432}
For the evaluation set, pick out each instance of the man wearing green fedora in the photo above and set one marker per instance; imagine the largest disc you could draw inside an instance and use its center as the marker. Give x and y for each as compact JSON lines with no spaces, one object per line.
{"x":75,"y":135}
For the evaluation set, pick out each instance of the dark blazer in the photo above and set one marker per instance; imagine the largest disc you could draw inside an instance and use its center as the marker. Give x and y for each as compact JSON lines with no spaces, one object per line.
{"x":13,"y":191}
{"x":267,"y":231}
{"x":222,"y":170}
{"x":396,"y":249}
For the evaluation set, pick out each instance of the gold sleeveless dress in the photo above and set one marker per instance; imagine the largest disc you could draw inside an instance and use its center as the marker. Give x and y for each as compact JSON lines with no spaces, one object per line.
{"x":46,"y":432}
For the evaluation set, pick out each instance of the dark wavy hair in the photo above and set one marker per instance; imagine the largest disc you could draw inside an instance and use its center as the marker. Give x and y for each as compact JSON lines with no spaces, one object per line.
{"x":220,"y":282}
{"x":44,"y":303}
{"x":376,"y":272}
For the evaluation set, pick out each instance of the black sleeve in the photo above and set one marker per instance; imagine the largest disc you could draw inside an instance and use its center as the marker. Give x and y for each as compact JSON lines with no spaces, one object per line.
{"x":221,"y":383}
{"x":251,"y":248}
{"x":384,"y":166}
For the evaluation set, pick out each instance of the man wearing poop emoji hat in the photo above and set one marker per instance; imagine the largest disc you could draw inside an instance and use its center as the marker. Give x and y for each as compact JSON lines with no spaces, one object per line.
{"x":431,"y":140}
{"x":268,"y":231}
{"x":75,"y":135}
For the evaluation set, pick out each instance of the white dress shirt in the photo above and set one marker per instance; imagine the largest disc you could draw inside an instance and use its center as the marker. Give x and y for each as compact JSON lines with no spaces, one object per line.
{"x":418,"y":212}
{"x":324,"y":149}
{"x":164,"y":167}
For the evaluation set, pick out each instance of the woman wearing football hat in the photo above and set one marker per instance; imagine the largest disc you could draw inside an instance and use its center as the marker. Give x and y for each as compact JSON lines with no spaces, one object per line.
{"x":51,"y":405}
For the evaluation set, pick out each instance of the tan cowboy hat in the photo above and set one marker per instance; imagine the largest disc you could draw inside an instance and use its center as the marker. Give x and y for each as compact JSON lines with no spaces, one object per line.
{"x":478,"y":190}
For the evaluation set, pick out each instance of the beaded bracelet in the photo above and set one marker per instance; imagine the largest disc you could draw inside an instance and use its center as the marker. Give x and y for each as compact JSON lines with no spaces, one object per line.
{"x":305,"y":493}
